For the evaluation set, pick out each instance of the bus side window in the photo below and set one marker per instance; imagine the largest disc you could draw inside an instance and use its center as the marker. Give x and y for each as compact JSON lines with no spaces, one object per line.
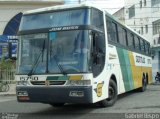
{"x":137,"y":43}
{"x":109,"y":30}
{"x":146,"y":48}
{"x":122,"y":36}
{"x":142,"y":45}
{"x":149,"y":50}
{"x":97,"y":19}
{"x":115,"y":32}
{"x":131,"y":42}
{"x":112,"y":30}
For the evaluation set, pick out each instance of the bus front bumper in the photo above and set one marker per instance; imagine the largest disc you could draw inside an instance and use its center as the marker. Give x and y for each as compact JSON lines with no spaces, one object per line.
{"x":72,"y":94}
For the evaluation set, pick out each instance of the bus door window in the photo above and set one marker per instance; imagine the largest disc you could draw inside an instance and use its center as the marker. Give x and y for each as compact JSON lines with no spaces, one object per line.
{"x":98,"y":53}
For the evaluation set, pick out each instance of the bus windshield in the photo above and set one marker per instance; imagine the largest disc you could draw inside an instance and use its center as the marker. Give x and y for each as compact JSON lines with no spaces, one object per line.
{"x":55,"y":19}
{"x":62,"y":54}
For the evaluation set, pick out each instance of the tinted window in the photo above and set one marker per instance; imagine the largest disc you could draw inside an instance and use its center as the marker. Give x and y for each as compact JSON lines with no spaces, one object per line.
{"x":122,"y":36}
{"x":111,"y":30}
{"x":97,"y":19}
{"x":99,"y":60}
{"x":142,"y":45}
{"x":56,"y":19}
{"x":147,"y":48}
{"x":137,"y":43}
{"x":131,"y":42}
{"x":115,"y":34}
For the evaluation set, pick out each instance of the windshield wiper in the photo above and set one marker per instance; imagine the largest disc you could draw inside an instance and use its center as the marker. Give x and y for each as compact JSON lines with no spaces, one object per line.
{"x":37,"y":60}
{"x":59,"y":66}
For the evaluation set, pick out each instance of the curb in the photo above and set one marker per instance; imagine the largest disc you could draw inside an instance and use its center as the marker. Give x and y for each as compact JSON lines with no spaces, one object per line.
{"x":7,"y":94}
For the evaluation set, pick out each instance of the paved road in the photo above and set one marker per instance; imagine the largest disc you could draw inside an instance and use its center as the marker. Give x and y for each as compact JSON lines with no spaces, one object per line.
{"x":132,"y":102}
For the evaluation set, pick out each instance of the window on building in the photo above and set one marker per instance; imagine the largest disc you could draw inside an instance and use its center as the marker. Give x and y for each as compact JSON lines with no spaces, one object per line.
{"x":159,"y":59}
{"x":146,"y":28}
{"x":154,"y":42}
{"x":145,"y":2}
{"x":131,"y":11}
{"x":142,"y":30}
{"x":155,"y":2}
{"x":156,"y":27}
{"x":140,"y":3}
{"x":159,"y":40}
{"x":155,"y":5}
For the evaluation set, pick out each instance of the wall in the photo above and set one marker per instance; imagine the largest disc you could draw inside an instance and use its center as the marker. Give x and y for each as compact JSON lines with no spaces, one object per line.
{"x":9,"y":9}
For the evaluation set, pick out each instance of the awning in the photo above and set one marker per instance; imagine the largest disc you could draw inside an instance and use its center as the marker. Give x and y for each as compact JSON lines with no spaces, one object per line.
{"x":3,"y":38}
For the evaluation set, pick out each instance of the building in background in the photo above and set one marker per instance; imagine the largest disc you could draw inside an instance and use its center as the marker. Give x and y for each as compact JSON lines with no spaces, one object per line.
{"x":10,"y":16}
{"x":120,"y":14}
{"x":143,"y":16}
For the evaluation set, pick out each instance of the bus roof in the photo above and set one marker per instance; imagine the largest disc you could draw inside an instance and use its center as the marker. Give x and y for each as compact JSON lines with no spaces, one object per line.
{"x":72,"y":6}
{"x":60,"y":7}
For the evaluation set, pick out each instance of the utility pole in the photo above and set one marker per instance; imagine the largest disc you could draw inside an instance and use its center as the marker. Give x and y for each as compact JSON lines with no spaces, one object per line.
{"x":79,"y":1}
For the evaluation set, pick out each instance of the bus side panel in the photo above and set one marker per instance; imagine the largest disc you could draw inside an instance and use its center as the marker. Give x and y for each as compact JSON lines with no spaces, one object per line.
{"x":126,"y":69}
{"x":133,"y":65}
{"x":141,"y":65}
{"x":114,"y":68}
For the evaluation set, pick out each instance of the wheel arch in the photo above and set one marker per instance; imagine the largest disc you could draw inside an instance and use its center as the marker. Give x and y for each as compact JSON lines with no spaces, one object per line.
{"x":113,"y":77}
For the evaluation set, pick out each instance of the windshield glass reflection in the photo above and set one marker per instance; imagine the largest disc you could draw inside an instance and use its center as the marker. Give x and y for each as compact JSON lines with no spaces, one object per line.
{"x":70,"y":53}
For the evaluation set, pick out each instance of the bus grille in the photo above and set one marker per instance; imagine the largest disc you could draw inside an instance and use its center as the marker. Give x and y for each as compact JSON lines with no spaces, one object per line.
{"x":48,"y":82}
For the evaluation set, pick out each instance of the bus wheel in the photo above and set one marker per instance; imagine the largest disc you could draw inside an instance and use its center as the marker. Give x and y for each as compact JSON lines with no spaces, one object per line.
{"x":57,"y":104}
{"x":112,"y":93}
{"x":144,"y":84}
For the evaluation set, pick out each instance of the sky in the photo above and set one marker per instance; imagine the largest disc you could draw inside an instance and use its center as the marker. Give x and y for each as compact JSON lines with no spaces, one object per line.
{"x":110,"y":5}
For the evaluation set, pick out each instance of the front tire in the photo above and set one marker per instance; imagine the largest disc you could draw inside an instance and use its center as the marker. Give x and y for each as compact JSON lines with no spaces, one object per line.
{"x":112,"y":95}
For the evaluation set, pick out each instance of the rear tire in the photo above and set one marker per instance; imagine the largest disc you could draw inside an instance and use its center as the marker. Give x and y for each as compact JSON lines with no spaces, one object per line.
{"x":144,"y":84}
{"x":112,"y":93}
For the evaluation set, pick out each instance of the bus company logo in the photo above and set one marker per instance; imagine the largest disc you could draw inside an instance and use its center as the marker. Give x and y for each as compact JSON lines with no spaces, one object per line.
{"x":140,"y":59}
{"x":98,"y":90}
{"x":64,"y":28}
{"x":47,"y":82}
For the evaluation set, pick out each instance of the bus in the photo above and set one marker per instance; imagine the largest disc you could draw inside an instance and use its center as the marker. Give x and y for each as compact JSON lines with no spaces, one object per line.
{"x":78,"y":54}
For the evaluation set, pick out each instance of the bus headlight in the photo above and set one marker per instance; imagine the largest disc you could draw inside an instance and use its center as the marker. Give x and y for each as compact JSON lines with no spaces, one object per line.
{"x":23,"y":83}
{"x":78,"y":83}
